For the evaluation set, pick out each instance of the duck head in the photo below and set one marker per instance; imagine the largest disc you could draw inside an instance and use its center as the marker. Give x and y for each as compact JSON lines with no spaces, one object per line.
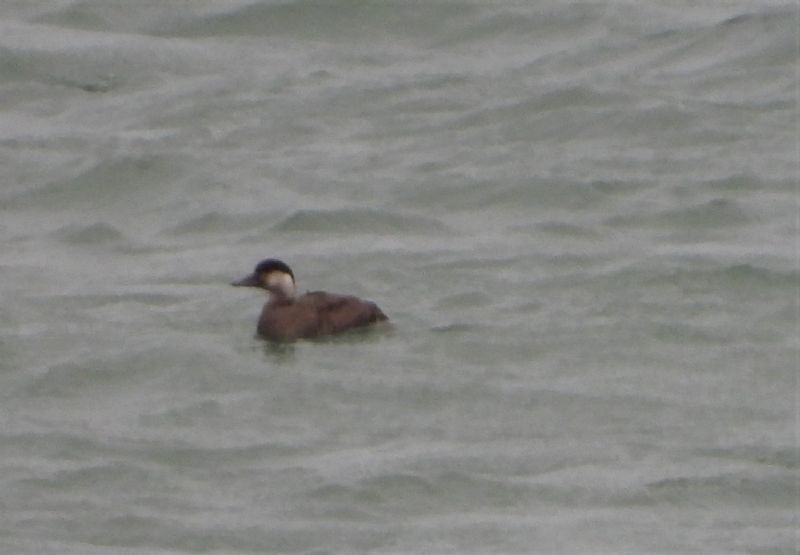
{"x":273,"y":275}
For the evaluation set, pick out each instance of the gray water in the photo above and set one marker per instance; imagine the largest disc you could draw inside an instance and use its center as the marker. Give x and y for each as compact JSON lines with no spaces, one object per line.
{"x":582,"y":219}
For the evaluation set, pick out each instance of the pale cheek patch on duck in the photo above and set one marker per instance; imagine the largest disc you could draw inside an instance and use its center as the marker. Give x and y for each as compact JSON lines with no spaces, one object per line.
{"x":282,"y":282}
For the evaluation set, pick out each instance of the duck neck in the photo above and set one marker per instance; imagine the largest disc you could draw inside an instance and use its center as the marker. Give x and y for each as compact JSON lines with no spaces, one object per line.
{"x":280,"y":297}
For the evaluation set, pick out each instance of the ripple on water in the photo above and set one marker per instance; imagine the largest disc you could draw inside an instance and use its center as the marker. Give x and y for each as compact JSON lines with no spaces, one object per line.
{"x":99,"y":233}
{"x":359,"y":221}
{"x":773,"y":489}
{"x":714,"y":213}
{"x":114,"y":182}
{"x":413,"y":494}
{"x":217,"y":222}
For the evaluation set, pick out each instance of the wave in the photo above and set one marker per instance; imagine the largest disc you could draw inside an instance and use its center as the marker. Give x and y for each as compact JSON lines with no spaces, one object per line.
{"x":217,"y":222}
{"x":99,"y":233}
{"x":775,"y":488}
{"x":359,"y":221}
{"x":114,"y":182}
{"x":412,"y":492}
{"x":337,"y":20}
{"x":714,"y":213}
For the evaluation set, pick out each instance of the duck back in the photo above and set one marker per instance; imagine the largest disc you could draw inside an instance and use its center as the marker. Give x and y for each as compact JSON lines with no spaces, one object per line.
{"x":315,"y":314}
{"x":339,"y":313}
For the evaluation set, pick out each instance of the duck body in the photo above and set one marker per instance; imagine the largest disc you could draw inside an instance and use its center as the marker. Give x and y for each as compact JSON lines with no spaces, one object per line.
{"x":316,"y":314}
{"x":286,"y":317}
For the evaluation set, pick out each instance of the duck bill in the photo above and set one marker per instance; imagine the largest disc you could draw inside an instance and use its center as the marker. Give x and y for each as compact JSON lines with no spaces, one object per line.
{"x":249,"y":281}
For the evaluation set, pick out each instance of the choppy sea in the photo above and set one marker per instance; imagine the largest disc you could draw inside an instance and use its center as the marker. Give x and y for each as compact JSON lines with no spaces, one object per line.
{"x":581,"y":217}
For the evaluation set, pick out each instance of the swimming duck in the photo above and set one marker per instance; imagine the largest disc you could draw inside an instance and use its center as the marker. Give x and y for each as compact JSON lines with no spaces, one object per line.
{"x":287,"y":317}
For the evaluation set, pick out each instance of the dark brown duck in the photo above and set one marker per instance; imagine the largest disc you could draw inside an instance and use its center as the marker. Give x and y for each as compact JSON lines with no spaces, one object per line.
{"x":287,"y":317}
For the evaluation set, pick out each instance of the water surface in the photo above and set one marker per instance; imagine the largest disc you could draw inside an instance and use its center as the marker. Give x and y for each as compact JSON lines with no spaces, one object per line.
{"x":581,"y":218}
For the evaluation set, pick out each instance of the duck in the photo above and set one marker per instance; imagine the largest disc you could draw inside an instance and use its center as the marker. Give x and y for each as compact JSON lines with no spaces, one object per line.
{"x":288,"y":317}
